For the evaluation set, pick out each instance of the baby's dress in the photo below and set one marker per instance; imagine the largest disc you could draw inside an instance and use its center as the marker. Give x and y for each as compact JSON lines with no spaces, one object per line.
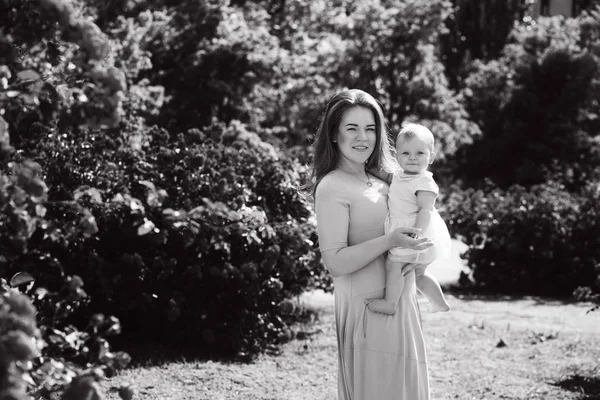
{"x":403,"y":209}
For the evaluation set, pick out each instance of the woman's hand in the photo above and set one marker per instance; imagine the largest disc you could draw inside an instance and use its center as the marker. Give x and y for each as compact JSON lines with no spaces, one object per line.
{"x":408,"y":237}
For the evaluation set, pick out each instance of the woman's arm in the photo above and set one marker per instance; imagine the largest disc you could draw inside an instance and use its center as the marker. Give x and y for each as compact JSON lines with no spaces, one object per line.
{"x":425,"y":204}
{"x":332,"y":208}
{"x":352,"y":258}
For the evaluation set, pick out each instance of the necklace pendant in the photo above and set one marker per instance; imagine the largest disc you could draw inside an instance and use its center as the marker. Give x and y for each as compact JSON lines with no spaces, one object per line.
{"x":369,"y":184}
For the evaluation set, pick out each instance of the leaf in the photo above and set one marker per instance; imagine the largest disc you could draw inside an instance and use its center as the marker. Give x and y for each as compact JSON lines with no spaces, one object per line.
{"x":136,"y":206}
{"x":31,"y":99}
{"x":20,"y":278}
{"x":85,"y":190}
{"x":37,"y":188}
{"x":113,"y":327}
{"x":40,"y":210}
{"x":55,"y":339}
{"x":153,"y":200}
{"x":88,"y":225}
{"x":51,"y":90}
{"x":252,"y":237}
{"x":79,"y":95}
{"x":148,"y":185}
{"x":4,"y":137}
{"x":40,"y":293}
{"x":28,"y":74}
{"x":27,"y":378}
{"x":104,"y":349}
{"x":145,"y":228}
{"x":63,"y":91}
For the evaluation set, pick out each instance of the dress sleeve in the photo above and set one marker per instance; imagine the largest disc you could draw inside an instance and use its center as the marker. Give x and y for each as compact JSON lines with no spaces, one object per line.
{"x":332,"y":209}
{"x":425,"y":183}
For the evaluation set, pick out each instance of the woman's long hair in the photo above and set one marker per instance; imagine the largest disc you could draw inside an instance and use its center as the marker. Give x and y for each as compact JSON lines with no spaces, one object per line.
{"x":326,"y":154}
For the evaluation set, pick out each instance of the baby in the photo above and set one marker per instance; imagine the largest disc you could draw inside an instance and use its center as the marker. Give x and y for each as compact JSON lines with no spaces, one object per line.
{"x":411,"y":202}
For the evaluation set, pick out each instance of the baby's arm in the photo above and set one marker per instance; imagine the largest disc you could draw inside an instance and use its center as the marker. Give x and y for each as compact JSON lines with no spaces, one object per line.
{"x":425,"y":203}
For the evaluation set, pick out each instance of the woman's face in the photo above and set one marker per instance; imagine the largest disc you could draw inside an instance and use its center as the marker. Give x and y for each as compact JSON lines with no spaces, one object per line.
{"x":357,"y":135}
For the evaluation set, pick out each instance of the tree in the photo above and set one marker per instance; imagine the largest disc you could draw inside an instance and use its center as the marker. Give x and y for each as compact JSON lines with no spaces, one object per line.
{"x":387,"y":48}
{"x":537,"y":106}
{"x":478,"y":30}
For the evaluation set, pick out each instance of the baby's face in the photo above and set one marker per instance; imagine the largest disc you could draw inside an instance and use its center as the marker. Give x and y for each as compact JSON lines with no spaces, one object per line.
{"x":414,"y":155}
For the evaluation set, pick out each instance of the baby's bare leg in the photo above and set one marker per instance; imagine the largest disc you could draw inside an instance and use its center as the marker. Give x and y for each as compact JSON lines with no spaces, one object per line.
{"x":431,"y":289}
{"x":394,"y":284}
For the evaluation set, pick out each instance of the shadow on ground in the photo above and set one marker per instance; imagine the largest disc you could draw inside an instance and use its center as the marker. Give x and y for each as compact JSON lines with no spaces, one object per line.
{"x":156,"y":354}
{"x":587,"y":386}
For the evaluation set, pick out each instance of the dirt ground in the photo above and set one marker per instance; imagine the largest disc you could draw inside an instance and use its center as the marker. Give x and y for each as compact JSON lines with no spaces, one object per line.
{"x":551,"y":351}
{"x":488,"y":348}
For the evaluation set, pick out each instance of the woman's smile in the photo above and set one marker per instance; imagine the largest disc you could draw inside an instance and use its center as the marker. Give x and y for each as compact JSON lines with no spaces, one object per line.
{"x":356,"y":137}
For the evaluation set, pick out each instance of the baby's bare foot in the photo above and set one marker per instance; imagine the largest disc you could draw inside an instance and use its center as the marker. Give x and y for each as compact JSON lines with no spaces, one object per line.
{"x":381,"y":306}
{"x":433,"y":308}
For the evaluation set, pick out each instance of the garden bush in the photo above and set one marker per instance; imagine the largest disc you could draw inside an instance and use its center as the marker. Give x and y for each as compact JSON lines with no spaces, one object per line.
{"x":203,"y":240}
{"x":194,"y":236}
{"x":49,"y":357}
{"x":42,"y":353}
{"x":542,"y":241}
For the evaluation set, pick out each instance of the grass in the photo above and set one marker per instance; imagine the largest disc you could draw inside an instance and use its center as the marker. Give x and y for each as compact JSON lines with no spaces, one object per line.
{"x":485,"y":348}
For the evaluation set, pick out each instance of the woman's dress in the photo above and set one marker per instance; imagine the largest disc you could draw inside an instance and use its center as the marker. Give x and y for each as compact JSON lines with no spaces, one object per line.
{"x":381,"y":357}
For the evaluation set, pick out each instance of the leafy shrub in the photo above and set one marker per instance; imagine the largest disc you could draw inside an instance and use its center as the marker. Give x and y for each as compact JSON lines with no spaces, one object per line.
{"x":202,"y":235}
{"x":209,"y":238}
{"x":538,"y":242}
{"x":50,"y":75}
{"x":51,"y":70}
{"x":53,"y":357}
{"x":42,"y":353}
{"x":184,"y":235}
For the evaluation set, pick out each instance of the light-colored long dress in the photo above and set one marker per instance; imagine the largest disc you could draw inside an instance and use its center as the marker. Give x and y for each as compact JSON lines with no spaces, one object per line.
{"x":381,"y":357}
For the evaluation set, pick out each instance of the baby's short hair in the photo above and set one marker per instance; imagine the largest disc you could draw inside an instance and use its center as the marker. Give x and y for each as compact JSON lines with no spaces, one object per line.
{"x":412,"y":130}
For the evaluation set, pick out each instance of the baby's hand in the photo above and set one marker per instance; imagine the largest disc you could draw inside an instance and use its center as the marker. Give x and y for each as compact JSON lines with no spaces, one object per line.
{"x":413,"y":235}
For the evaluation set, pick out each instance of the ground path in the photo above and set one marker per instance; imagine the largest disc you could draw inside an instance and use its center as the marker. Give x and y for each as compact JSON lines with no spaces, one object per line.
{"x":490,"y":348}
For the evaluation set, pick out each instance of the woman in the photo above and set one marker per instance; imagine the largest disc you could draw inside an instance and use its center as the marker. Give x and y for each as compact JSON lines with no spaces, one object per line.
{"x":381,"y":357}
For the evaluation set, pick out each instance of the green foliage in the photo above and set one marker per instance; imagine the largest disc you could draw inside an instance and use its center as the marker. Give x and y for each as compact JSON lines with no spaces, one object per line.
{"x":159,"y":145}
{"x":202,"y":233}
{"x":478,"y":30}
{"x":387,"y":48}
{"x":216,"y":271}
{"x":41,"y":352}
{"x":542,"y":241}
{"x":54,"y":358}
{"x":207,"y":56}
{"x":56,"y":77}
{"x":537,"y":107}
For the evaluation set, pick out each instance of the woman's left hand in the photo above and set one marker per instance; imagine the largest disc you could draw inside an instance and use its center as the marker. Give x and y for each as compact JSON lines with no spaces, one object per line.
{"x":401,"y":237}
